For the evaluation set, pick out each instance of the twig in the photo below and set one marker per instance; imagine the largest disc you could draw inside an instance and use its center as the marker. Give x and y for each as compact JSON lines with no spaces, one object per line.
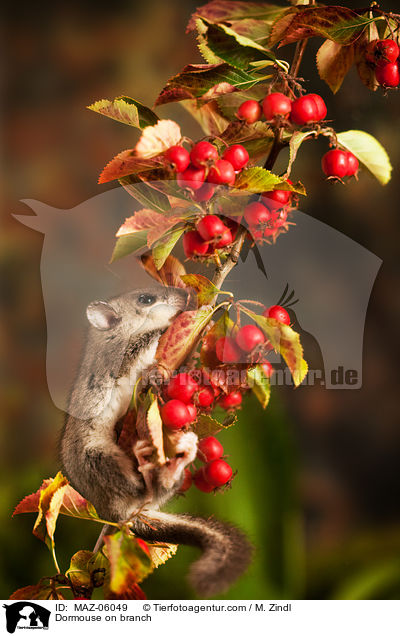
{"x":222,"y":272}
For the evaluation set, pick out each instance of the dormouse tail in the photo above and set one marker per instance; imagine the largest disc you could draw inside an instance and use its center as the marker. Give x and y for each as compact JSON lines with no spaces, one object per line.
{"x":226,"y":550}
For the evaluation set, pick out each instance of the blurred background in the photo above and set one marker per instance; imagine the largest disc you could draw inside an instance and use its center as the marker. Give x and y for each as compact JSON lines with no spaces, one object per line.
{"x":318,"y":488}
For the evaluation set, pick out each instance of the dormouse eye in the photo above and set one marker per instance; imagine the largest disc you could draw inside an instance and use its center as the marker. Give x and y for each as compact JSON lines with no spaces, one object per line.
{"x":146,"y":299}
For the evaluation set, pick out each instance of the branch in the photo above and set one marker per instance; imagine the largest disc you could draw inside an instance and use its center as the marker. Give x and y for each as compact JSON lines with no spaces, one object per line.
{"x":222,"y":272}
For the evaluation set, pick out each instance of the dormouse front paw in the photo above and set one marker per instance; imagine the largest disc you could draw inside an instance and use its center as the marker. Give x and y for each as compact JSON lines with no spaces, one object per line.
{"x":186,"y":447}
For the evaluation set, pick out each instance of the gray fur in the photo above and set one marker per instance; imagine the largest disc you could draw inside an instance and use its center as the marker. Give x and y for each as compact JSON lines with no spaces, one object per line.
{"x":122,"y":340}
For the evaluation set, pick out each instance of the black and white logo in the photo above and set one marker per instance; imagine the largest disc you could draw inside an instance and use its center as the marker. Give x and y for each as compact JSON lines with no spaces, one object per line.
{"x":26,"y":615}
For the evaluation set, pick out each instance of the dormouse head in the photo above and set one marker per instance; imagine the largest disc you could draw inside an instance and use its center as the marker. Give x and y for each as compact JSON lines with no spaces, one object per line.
{"x":138,"y":311}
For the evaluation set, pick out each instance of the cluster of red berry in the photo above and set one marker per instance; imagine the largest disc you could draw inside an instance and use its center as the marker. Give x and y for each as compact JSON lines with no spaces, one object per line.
{"x":308,"y":109}
{"x":211,"y":234}
{"x":383,"y":56}
{"x":267,"y":218}
{"x":249,"y":343}
{"x":202,"y":169}
{"x":339,"y":163}
{"x":215,"y":473}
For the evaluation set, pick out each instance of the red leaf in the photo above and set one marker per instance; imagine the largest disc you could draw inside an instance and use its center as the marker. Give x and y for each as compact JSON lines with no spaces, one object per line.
{"x":157,"y":224}
{"x":125,"y":163}
{"x":180,"y":338}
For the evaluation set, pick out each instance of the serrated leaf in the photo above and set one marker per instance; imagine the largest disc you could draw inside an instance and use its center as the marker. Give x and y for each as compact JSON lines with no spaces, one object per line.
{"x":207,"y":115}
{"x":129,"y":244}
{"x":180,"y":338}
{"x":125,"y":163}
{"x":232,"y":48}
{"x":170,"y":274}
{"x":218,"y":11}
{"x":50,"y":500}
{"x":259,"y":384}
{"x":257,"y":138}
{"x":161,"y":552}
{"x":334,"y":62}
{"x":72,"y":505}
{"x":78,"y":571}
{"x":206,"y":425}
{"x":129,"y":563}
{"x":125,"y":110}
{"x":145,"y":194}
{"x":206,"y":290}
{"x":165,"y":245}
{"x":368,"y":151}
{"x":294,"y":144}
{"x":256,"y":179}
{"x":157,"y":139}
{"x":44,"y":590}
{"x":340,"y":24}
{"x":285,"y":341}
{"x":205,"y":81}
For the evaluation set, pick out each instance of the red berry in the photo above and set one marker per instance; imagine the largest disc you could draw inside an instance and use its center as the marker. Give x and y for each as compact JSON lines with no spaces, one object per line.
{"x":192,"y":178}
{"x":278,"y":196}
{"x":279,"y":219}
{"x":200,"y":482}
{"x":353,"y":164}
{"x":256,"y":214}
{"x":388,"y":74}
{"x":237,"y":155}
{"x":226,"y":239}
{"x":267,"y":368}
{"x":276,"y":104}
{"x":386,"y":51}
{"x":187,"y":480}
{"x":179,"y":157}
{"x":175,"y":415}
{"x":230,"y":400}
{"x":222,"y":172}
{"x":307,"y":109}
{"x":203,"y":153}
{"x":210,"y":227}
{"x":227,"y":350}
{"x":321,"y":106}
{"x":192,"y":411}
{"x":204,"y":193}
{"x":249,"y":337}
{"x":182,"y":387}
{"x":217,"y":472}
{"x":335,"y":163}
{"x":209,"y":448}
{"x":279,"y":313}
{"x":194,"y":245}
{"x":250,"y":111}
{"x":205,"y":397}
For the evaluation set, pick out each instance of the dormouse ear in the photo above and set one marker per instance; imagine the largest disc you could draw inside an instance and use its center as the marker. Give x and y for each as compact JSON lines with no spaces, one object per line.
{"x":101,"y":315}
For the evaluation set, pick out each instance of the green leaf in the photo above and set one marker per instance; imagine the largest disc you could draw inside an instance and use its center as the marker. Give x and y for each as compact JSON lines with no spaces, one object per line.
{"x":371,"y":582}
{"x":340,"y":24}
{"x":257,"y":138}
{"x":165,"y":245}
{"x":285,"y":341}
{"x":260,"y":384}
{"x":368,"y":151}
{"x":126,"y":110}
{"x":256,"y":179}
{"x":334,"y":62}
{"x":218,"y":11}
{"x":129,"y":563}
{"x":78,"y":571}
{"x":294,"y":144}
{"x":232,"y":48}
{"x":206,"y":81}
{"x":129,"y":244}
{"x":145,"y":194}
{"x":206,"y":425}
{"x":206,"y":290}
